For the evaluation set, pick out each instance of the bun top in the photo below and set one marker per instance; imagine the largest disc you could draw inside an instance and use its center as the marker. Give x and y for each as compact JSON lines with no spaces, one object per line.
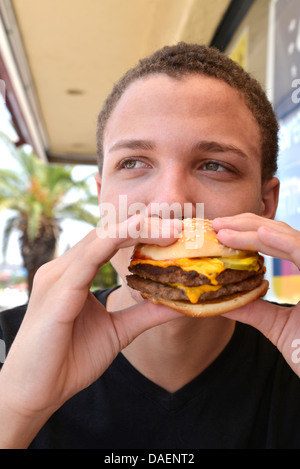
{"x":197,"y":239}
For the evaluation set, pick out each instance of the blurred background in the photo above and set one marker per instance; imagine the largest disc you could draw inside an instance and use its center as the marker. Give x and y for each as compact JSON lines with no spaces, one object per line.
{"x":58,"y":61}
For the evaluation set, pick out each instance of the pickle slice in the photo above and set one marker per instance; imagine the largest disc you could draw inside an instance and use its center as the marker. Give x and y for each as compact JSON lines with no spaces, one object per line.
{"x":244,"y":263}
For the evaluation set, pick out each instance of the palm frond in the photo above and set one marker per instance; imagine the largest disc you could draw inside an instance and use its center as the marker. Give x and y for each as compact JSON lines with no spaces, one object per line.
{"x":12,"y":203}
{"x":11,"y":184}
{"x":29,"y":163}
{"x":90,"y":199}
{"x":75,"y":212}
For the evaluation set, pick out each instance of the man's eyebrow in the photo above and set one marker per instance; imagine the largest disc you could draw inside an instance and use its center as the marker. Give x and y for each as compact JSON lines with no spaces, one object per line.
{"x":203,"y":146}
{"x":217,"y":147}
{"x":132,"y":145}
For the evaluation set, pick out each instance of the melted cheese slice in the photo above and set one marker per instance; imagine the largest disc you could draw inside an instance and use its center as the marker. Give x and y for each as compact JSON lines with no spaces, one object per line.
{"x":211,"y":267}
{"x":194,"y":293}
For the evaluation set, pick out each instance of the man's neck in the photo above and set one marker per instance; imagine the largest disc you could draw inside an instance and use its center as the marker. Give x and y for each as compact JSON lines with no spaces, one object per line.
{"x":173,"y":354}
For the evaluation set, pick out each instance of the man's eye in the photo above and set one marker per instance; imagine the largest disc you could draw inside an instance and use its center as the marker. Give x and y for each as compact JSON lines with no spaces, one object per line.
{"x":212,"y":166}
{"x":133,"y":164}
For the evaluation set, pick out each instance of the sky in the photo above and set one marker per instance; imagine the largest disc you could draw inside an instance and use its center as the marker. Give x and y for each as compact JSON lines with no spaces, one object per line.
{"x":72,"y":231}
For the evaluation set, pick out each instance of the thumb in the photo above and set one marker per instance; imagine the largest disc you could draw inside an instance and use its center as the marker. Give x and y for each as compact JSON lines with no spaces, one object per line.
{"x":131,"y":322}
{"x":267,"y":317}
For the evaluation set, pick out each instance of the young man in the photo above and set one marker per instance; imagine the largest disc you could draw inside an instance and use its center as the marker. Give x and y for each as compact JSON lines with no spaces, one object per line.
{"x":187,"y":125}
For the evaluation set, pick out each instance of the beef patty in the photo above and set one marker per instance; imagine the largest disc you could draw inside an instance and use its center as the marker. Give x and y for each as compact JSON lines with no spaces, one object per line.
{"x":160,"y":290}
{"x":174,"y":274}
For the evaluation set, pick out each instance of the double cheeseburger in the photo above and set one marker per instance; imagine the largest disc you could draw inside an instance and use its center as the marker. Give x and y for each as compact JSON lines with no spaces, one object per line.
{"x":197,"y":275}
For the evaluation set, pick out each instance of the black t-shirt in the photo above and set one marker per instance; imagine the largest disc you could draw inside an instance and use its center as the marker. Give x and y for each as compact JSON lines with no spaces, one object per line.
{"x":248,"y":398}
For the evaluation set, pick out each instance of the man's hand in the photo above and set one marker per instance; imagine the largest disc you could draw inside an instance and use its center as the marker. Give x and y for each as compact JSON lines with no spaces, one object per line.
{"x":250,"y":232}
{"x":67,"y":338}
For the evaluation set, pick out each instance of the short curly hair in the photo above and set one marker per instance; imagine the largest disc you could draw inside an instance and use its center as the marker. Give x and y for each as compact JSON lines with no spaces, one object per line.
{"x":182,"y":59}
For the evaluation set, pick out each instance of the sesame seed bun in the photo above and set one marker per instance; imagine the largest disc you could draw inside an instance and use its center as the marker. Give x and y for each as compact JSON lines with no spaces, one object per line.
{"x":197,"y":239}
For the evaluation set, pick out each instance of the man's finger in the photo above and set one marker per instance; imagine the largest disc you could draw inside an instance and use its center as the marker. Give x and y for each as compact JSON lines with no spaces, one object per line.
{"x":133,"y":321}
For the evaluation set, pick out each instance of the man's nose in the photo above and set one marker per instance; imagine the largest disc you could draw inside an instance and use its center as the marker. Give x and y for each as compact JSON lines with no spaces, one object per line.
{"x":174,"y":197}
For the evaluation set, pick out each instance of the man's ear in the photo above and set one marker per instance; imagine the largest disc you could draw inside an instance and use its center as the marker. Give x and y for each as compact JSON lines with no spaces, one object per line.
{"x":98,"y":182}
{"x":270,"y":195}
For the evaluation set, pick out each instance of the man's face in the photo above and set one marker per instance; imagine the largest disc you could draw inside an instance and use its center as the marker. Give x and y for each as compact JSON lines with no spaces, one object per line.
{"x":186,"y":141}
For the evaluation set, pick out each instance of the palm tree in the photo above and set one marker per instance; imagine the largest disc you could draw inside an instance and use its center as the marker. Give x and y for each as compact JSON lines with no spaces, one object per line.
{"x":41,"y":196}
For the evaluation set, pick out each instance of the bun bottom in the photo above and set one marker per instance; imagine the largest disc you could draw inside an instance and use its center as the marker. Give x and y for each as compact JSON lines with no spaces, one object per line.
{"x":213,"y":308}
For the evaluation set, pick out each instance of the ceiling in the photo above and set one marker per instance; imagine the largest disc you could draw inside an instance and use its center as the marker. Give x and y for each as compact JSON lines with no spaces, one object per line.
{"x":63,"y":56}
